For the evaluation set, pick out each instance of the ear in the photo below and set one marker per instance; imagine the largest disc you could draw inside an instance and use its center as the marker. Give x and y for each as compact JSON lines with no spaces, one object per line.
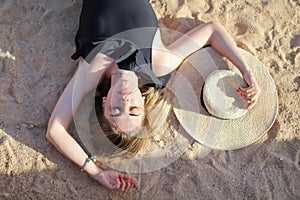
{"x":103,"y":100}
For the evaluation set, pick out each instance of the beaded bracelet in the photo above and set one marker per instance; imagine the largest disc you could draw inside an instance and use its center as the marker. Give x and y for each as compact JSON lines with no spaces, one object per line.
{"x":92,"y":158}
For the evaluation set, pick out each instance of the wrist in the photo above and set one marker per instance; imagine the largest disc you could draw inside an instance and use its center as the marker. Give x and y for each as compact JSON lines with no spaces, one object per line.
{"x":245,"y":69}
{"x":247,"y":73}
{"x":92,"y":169}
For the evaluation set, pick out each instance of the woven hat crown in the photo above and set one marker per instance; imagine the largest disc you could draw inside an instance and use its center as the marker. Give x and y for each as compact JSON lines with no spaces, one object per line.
{"x":220,"y":96}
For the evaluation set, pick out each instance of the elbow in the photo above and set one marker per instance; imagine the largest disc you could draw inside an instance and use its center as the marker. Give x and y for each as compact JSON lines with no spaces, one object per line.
{"x":49,"y":135}
{"x":51,"y":132}
{"x":55,"y":131}
{"x":214,"y":25}
{"x":215,"y":30}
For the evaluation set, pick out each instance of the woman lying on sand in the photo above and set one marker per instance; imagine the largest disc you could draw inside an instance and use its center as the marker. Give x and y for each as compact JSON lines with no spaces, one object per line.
{"x":134,"y":84}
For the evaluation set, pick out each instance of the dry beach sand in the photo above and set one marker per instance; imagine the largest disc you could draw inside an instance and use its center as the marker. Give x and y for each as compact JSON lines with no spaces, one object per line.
{"x":36,"y":41}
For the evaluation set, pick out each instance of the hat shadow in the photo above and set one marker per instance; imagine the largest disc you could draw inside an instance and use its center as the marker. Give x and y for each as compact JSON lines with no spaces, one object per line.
{"x":228,"y":87}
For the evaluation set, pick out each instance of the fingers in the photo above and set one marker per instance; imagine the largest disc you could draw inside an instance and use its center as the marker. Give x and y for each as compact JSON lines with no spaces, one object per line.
{"x":250,"y":94}
{"x":116,"y":181}
{"x":128,"y":185}
{"x":253,"y":101}
{"x":251,"y":105}
{"x":130,"y":180}
{"x":126,"y":182}
{"x":248,"y":90}
{"x":246,"y":94}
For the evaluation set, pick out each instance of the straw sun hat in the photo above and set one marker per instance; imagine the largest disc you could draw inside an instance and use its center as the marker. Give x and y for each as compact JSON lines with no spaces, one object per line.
{"x":208,"y":107}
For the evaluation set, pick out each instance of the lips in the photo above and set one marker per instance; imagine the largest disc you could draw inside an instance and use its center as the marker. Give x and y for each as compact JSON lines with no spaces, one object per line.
{"x":125,"y":92}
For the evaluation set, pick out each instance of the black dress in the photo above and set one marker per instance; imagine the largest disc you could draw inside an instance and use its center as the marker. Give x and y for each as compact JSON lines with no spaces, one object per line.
{"x":123,"y":30}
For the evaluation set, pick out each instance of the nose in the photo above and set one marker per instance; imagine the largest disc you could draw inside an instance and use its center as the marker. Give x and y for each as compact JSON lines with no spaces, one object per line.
{"x":125,"y":103}
{"x":124,"y":98}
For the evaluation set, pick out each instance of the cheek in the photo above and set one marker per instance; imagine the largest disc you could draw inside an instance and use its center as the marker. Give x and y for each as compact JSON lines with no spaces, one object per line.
{"x":137,"y":101}
{"x":113,"y":99}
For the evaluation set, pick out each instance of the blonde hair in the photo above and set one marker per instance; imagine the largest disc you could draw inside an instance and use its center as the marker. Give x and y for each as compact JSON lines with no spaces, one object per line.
{"x":157,"y":107}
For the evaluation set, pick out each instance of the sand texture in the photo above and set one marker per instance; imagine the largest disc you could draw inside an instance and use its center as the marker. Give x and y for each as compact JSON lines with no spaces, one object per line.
{"x":36,"y":42}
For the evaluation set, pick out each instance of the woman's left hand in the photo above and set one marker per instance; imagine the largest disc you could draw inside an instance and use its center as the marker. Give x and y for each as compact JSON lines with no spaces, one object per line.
{"x":114,"y":180}
{"x":250,"y":93}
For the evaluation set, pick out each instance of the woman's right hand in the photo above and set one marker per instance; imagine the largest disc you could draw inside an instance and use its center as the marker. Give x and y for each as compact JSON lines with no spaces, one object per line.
{"x":114,"y":180}
{"x":252,"y":92}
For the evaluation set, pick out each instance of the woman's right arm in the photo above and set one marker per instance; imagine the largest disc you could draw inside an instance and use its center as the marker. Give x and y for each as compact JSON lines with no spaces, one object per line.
{"x":62,"y":116}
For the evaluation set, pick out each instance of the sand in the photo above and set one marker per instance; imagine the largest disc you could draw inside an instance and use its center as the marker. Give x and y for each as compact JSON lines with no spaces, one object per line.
{"x":36,"y":41}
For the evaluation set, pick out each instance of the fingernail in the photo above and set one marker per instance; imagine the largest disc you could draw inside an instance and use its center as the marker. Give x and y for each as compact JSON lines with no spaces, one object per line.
{"x":248,"y":109}
{"x":237,"y":90}
{"x":241,"y":95}
{"x":128,"y":180}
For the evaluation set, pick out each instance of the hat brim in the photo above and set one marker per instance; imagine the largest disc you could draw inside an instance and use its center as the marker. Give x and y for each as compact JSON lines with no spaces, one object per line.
{"x":215,"y":132}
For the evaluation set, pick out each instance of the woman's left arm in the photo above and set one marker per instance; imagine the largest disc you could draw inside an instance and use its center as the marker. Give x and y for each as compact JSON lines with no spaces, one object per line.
{"x":215,"y":35}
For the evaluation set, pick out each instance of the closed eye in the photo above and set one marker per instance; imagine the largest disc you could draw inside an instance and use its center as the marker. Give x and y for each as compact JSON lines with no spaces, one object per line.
{"x":116,"y":111}
{"x":135,"y":111}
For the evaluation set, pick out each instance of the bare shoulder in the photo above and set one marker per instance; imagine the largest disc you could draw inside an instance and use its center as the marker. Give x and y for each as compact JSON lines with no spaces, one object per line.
{"x":89,"y":74}
{"x":163,"y":60}
{"x":100,"y":62}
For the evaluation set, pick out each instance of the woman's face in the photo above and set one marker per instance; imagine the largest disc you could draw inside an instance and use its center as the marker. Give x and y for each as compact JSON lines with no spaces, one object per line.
{"x":124,"y":104}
